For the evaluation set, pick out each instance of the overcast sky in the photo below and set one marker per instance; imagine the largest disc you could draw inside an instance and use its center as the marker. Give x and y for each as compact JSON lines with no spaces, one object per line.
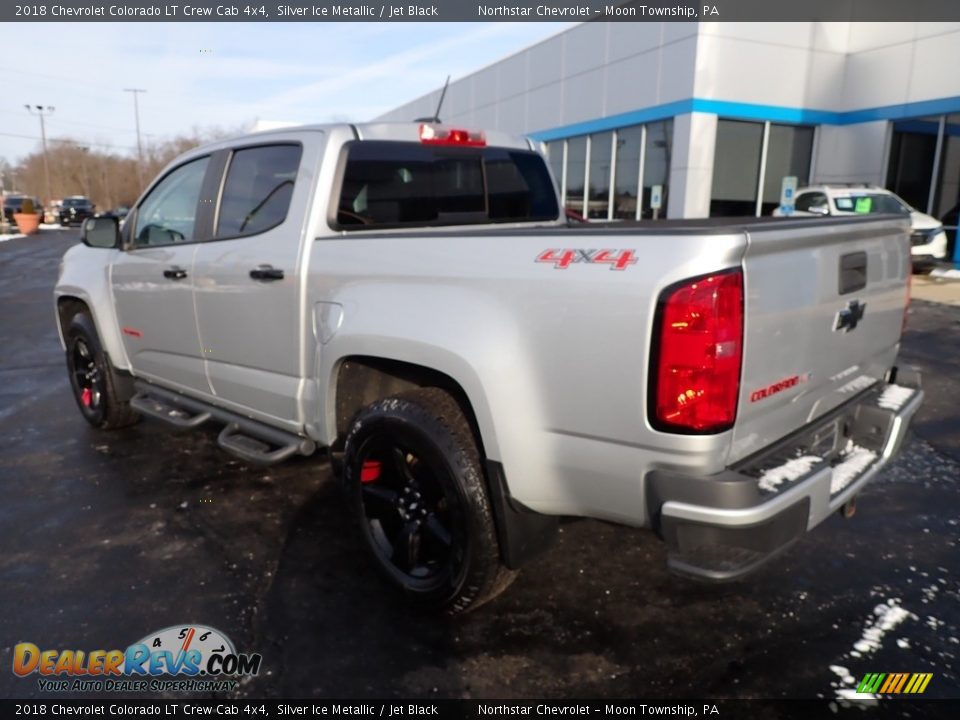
{"x":207,"y":75}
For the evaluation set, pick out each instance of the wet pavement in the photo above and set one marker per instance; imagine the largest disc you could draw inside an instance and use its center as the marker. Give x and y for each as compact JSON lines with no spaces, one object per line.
{"x":107,"y":536}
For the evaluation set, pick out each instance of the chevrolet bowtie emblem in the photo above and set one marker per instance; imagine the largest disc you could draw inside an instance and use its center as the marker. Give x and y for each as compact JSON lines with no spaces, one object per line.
{"x":848,"y":318}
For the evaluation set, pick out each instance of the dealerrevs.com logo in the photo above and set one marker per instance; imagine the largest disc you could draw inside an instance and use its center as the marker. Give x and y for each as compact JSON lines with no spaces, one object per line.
{"x":201,"y":658}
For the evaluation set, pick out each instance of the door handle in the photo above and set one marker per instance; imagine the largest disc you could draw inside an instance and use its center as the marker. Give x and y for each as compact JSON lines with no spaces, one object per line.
{"x":175,"y":273}
{"x":266,"y":272}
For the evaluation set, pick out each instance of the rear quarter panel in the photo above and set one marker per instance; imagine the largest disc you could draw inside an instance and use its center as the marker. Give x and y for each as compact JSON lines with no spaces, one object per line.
{"x":554,"y":361}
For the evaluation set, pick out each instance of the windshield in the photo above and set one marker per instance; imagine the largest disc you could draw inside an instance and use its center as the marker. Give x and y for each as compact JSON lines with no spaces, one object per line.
{"x":76,"y":202}
{"x":871,"y":204}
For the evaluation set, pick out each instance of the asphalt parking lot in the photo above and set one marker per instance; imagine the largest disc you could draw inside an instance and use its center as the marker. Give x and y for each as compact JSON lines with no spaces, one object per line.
{"x":109,"y":536}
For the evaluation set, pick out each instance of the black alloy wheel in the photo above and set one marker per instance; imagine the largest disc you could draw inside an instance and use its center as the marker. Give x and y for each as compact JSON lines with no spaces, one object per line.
{"x":413,"y":472}
{"x":96,"y":385}
{"x":414,"y":516}
{"x":88,"y":382}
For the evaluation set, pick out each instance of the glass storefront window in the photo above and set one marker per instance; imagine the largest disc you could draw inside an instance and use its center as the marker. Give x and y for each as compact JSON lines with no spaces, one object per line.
{"x":737,"y":165}
{"x":620,"y":165}
{"x":628,"y":173}
{"x":555,"y":159}
{"x":789,"y":148}
{"x":576,"y":173}
{"x":600,"y":155}
{"x":912,"y":151}
{"x":736,"y":168}
{"x":656,"y":165}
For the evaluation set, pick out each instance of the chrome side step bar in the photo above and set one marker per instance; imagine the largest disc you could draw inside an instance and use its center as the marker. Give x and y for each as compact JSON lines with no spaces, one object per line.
{"x":242,"y":437}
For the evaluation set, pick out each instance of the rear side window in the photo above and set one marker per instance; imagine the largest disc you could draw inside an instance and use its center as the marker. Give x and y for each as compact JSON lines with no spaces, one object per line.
{"x":397,"y":184}
{"x":258,"y":188}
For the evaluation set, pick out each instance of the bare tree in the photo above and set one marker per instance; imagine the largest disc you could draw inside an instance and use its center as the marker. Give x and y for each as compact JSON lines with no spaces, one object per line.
{"x":108,"y":178}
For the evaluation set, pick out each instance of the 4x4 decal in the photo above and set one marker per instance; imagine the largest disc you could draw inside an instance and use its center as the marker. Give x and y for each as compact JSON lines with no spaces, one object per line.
{"x":562,"y":259}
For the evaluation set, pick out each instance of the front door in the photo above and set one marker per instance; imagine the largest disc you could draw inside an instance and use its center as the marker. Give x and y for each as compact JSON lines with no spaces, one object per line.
{"x":152,"y":282}
{"x":248,"y":311}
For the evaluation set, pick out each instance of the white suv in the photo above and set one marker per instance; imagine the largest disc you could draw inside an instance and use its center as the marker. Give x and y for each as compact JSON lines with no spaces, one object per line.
{"x":927,"y":238}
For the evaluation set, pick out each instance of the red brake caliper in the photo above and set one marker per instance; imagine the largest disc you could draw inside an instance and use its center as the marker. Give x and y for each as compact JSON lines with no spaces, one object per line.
{"x":370,"y":472}
{"x":86,"y":397}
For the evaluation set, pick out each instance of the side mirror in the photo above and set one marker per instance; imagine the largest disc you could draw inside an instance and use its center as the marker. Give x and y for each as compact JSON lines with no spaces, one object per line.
{"x":819,"y":209}
{"x":101,"y":232}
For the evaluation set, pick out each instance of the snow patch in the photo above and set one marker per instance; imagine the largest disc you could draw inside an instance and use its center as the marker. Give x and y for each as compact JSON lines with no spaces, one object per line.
{"x":859,"y":383}
{"x":856,"y":459}
{"x":863,"y":699}
{"x":888,"y":616}
{"x":4,"y":238}
{"x":885,"y":618}
{"x":790,"y":470}
{"x":845,"y":677}
{"x":894,"y":396}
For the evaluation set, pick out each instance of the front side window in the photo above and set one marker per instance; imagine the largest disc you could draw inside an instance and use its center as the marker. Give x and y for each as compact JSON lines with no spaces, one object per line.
{"x":258,"y":189}
{"x":169,"y":213}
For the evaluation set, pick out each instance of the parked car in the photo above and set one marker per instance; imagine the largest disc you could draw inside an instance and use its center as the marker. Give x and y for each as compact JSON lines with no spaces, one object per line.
{"x":928,"y":241}
{"x":479,"y":368}
{"x":52,"y":213}
{"x":950,"y":220}
{"x":75,"y":210}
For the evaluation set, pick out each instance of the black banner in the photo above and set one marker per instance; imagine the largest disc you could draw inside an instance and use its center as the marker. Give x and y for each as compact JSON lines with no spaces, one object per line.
{"x":79,"y":11}
{"x":457,"y":709}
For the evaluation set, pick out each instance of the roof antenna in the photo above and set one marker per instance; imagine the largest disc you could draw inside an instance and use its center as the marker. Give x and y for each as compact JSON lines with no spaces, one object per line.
{"x":436,"y":114}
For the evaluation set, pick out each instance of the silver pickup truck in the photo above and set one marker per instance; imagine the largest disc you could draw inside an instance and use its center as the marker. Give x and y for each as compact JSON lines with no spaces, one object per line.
{"x":410,"y":299}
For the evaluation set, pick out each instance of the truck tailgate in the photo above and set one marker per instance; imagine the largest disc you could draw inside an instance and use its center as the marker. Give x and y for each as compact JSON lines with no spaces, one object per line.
{"x":824,"y":306}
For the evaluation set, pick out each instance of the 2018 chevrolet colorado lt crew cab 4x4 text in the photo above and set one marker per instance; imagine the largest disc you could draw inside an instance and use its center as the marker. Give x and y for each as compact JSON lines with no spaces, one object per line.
{"x":410,"y":298}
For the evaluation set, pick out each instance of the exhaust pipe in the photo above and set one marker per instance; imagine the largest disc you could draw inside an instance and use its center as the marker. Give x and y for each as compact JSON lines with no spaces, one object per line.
{"x":849,"y":508}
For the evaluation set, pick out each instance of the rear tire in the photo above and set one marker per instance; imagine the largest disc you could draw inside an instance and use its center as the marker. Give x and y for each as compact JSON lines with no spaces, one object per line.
{"x":416,"y":485}
{"x":93,"y":379}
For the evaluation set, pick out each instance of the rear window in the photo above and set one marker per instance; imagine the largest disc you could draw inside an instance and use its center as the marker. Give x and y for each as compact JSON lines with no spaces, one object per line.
{"x":397,"y":184}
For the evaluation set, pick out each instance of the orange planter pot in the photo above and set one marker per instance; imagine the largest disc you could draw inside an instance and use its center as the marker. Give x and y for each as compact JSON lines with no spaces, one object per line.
{"x":28,"y":224}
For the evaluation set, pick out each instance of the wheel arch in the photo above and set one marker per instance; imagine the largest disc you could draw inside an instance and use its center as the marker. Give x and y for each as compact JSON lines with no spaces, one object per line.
{"x":69,"y":301}
{"x":67,"y":307}
{"x":360,"y":380}
{"x":364,"y":379}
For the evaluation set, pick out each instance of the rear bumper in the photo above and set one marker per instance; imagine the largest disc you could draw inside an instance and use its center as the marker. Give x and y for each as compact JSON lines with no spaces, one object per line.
{"x":724,"y":526}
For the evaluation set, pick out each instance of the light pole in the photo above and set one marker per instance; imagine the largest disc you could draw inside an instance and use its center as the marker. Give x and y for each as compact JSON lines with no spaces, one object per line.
{"x":43,"y":111}
{"x":136,"y":115}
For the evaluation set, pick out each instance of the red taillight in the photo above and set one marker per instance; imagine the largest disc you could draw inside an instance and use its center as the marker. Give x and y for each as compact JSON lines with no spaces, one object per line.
{"x":433,"y":134}
{"x":697,"y":354}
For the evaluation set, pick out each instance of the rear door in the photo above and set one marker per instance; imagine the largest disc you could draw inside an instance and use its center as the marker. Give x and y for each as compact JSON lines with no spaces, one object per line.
{"x":824,"y":304}
{"x":247,"y":278}
{"x":152,"y":280}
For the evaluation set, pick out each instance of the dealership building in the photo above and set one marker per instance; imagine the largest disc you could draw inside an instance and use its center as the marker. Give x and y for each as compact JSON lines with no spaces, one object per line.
{"x":706,"y":119}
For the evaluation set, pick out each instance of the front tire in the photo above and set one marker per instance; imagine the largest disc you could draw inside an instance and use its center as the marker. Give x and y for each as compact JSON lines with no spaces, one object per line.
{"x":416,"y":485}
{"x":93,"y":379}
